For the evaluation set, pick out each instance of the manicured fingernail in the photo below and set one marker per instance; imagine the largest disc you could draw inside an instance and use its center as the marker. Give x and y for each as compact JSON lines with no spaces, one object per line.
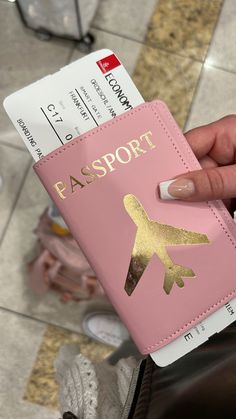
{"x":163,"y":189}
{"x":176,"y":189}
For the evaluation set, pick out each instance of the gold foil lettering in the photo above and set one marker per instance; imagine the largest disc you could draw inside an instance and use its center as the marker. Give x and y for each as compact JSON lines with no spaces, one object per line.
{"x":60,"y":187}
{"x":109,"y":159}
{"x":74,"y":182}
{"x":146,"y":136}
{"x":135,"y":148}
{"x":86,"y":172}
{"x":108,"y":163}
{"x":127,"y":151}
{"x":97,"y":167}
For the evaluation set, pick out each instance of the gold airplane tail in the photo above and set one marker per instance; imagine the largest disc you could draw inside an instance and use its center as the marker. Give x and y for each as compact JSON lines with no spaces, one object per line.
{"x":136,"y":269}
{"x":176,"y":273}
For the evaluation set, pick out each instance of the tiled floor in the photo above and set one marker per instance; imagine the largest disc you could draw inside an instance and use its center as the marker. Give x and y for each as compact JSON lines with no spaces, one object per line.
{"x":184,"y":27}
{"x":20,"y":341}
{"x":182,"y":52}
{"x":42,"y":387}
{"x":24,"y":59}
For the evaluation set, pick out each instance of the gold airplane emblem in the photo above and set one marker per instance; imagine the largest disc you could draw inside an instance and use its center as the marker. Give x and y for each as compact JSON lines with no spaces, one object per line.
{"x":153,"y":237}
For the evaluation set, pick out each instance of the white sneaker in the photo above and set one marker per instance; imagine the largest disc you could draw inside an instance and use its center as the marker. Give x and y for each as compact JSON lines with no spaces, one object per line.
{"x":105,"y":327}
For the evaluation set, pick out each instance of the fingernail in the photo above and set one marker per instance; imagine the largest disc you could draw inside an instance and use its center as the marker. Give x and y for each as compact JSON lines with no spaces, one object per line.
{"x":176,"y":189}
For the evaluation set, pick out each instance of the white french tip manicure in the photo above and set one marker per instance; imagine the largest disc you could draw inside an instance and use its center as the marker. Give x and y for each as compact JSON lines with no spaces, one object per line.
{"x":163,"y":188}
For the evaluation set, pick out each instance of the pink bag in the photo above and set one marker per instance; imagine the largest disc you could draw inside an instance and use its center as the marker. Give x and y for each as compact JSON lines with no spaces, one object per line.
{"x":62,"y":266}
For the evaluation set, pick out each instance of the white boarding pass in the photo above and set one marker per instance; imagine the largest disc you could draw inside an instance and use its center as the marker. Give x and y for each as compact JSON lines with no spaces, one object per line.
{"x":79,"y":97}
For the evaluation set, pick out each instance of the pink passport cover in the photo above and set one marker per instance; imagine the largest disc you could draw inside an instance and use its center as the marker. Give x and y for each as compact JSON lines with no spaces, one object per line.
{"x":164,"y":265}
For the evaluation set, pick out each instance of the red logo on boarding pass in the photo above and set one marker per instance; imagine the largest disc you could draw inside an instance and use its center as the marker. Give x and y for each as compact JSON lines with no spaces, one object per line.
{"x":108,"y":63}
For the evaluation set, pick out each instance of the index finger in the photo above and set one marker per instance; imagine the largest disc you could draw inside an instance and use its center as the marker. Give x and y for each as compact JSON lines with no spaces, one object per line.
{"x":202,"y":139}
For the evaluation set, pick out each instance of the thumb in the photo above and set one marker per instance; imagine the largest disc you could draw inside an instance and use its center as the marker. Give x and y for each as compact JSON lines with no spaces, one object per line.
{"x":201,"y":185}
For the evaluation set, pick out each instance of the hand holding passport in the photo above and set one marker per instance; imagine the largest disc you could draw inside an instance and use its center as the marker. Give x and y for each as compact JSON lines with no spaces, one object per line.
{"x":214,"y":145}
{"x":167,"y":267}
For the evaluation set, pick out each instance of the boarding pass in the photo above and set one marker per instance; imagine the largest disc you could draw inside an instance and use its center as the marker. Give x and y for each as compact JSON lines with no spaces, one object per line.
{"x":79,"y":97}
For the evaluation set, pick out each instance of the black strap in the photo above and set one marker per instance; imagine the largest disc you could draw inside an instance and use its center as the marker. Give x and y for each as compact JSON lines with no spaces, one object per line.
{"x":69,"y":415}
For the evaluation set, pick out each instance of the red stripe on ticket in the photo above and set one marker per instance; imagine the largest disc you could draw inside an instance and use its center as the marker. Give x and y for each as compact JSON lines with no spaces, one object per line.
{"x":108,"y":63}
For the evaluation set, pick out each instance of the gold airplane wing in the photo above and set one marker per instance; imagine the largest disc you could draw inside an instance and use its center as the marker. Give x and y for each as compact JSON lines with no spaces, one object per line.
{"x":138,"y":263}
{"x":175,"y":236}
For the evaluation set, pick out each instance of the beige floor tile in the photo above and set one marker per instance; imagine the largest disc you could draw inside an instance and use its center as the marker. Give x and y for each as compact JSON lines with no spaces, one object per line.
{"x":215,"y":97}
{"x":42,"y":387}
{"x":184,"y":26}
{"x":13,"y":165}
{"x":223,"y":52}
{"x":127,"y":18}
{"x":160,"y":75}
{"x":24,"y":59}
{"x":128,"y":51}
{"x":20,"y":341}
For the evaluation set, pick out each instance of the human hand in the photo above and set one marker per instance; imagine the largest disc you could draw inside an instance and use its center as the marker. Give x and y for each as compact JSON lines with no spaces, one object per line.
{"x":214,"y":145}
